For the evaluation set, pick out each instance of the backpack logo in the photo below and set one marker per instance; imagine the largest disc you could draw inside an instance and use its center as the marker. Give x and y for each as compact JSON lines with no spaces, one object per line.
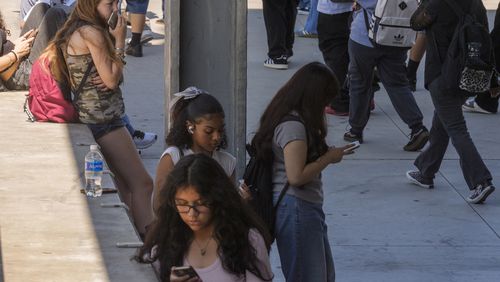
{"x":399,"y":37}
{"x":389,"y":25}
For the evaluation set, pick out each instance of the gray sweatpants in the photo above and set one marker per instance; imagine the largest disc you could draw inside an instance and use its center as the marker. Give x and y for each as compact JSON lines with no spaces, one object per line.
{"x":390,"y":63}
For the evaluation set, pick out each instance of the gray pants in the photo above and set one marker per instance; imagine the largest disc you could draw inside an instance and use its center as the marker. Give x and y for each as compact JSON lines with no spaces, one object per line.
{"x":390,"y":63}
{"x":449,"y":123}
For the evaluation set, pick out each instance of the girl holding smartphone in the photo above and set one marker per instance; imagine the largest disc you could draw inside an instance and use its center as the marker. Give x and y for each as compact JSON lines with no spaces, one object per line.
{"x":299,"y":153}
{"x":87,"y":40}
{"x":203,"y":222}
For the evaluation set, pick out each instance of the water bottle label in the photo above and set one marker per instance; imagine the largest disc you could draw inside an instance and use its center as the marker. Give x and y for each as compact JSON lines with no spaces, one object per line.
{"x":93,"y":166}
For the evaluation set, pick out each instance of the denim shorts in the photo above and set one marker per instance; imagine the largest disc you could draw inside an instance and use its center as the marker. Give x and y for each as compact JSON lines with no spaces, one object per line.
{"x":137,"y":6}
{"x":99,"y":130}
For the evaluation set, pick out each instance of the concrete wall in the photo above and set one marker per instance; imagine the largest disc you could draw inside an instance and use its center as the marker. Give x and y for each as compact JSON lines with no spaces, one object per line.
{"x":206,"y":47}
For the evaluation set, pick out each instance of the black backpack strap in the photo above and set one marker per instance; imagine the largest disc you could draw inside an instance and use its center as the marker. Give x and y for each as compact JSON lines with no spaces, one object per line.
{"x":365,"y":14}
{"x":282,"y":194}
{"x":82,"y":82}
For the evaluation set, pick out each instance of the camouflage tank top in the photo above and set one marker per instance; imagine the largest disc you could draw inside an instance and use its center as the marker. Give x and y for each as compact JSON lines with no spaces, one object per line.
{"x":94,"y":106}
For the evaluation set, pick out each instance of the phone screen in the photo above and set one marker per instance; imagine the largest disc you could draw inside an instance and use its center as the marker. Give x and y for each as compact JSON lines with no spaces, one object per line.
{"x":185,"y":270}
{"x":113,"y":20}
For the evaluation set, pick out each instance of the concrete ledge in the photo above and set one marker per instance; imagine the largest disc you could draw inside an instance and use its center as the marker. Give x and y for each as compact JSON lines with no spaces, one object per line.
{"x":49,"y":230}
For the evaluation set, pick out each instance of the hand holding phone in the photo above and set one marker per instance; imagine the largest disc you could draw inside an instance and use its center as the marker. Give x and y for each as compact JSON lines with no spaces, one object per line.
{"x":113,"y":20}
{"x":118,"y":28}
{"x":184,"y":273}
{"x":352,"y":146}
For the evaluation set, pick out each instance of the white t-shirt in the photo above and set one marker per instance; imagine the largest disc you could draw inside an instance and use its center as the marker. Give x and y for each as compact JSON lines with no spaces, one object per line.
{"x":226,"y":160}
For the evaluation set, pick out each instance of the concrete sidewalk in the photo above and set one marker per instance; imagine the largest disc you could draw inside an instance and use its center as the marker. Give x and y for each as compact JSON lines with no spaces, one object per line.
{"x":381,"y":227}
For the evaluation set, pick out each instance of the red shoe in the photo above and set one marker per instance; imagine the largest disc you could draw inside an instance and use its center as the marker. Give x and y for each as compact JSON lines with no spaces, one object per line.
{"x":372,"y":104}
{"x":331,"y":111}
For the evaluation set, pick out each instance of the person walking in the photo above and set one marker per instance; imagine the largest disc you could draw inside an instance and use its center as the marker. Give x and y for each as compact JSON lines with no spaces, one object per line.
{"x":390,"y":63}
{"x":487,"y":102}
{"x":439,"y":20}
{"x":334,"y":23}
{"x":279,"y":18}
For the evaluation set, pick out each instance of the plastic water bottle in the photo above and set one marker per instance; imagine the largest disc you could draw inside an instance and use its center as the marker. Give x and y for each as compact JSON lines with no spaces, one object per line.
{"x":93,"y":172}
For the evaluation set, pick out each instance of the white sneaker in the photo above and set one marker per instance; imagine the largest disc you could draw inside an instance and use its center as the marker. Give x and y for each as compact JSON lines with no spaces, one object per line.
{"x":147,"y":35}
{"x":471,"y":106}
{"x":144,"y":140}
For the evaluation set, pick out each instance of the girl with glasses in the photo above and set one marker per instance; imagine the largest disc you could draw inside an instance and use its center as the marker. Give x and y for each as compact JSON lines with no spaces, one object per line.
{"x":203,"y":222}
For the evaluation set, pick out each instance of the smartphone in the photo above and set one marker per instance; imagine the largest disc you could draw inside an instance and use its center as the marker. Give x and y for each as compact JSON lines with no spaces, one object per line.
{"x":354,"y":145}
{"x":113,"y":20}
{"x":185,"y":270}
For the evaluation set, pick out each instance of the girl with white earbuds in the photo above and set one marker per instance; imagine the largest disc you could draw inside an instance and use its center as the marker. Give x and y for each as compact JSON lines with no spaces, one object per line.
{"x":197,"y":127}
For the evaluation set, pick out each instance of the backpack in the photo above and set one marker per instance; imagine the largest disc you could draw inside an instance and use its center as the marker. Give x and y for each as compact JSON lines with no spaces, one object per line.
{"x":258,"y":177}
{"x":390,"y":23}
{"x":48,"y":100}
{"x":469,"y":65}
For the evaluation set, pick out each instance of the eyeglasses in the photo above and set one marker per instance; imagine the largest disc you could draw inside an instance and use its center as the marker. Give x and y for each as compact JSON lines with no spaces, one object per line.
{"x":199,"y":208}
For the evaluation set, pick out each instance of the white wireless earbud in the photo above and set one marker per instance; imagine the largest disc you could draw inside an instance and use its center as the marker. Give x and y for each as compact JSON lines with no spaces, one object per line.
{"x":191,"y":129}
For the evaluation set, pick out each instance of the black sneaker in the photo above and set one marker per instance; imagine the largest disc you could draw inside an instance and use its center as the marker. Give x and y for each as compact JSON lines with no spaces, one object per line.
{"x":280,"y":63}
{"x":351,"y":137}
{"x":418,"y":139}
{"x":480,"y":193}
{"x":135,"y":50}
{"x":417,"y":178}
{"x":413,"y":85}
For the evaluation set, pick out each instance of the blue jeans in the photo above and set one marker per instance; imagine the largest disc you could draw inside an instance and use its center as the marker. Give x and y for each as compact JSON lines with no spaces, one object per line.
{"x":302,"y":240}
{"x":137,"y":6}
{"x":449,"y":123}
{"x":128,"y":125}
{"x":390,"y":63}
{"x":311,"y":25}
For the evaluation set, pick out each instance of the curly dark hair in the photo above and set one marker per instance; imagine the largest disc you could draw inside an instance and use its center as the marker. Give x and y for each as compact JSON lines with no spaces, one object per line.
{"x":203,"y":106}
{"x":170,"y":237}
{"x":309,"y":90}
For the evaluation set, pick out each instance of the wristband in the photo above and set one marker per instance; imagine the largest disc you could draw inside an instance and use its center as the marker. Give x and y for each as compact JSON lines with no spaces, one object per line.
{"x":15,"y":55}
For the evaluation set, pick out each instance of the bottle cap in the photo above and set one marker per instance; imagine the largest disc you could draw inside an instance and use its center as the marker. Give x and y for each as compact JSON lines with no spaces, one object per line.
{"x":94,"y":147}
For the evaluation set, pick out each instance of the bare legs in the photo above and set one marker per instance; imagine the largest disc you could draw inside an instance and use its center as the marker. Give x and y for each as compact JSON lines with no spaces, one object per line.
{"x":133,"y":181}
{"x":137,"y":21}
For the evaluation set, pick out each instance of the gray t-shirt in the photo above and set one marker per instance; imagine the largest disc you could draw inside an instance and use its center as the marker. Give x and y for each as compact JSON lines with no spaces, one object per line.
{"x":285,"y":133}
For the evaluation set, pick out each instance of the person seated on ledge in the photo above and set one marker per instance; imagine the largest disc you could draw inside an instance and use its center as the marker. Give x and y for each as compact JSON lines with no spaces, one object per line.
{"x":17,"y":56}
{"x":203,"y":222}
